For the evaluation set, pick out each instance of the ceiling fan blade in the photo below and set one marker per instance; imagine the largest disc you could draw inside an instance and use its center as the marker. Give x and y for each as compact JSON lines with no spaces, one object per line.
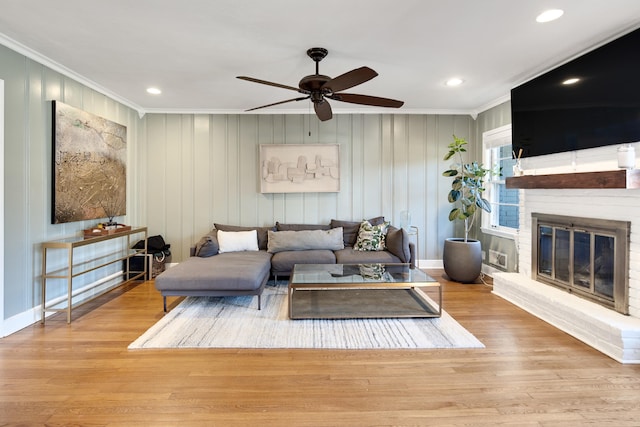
{"x":278,"y":103}
{"x":367,"y":100}
{"x":264,"y":82}
{"x":350,"y":79}
{"x":323,"y":110}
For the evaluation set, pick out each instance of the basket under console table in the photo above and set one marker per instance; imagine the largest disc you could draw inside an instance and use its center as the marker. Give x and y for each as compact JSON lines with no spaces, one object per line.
{"x":74,"y":268}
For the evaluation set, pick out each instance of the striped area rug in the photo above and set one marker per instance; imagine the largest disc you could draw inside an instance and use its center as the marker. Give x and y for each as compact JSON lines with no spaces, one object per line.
{"x":235,"y":322}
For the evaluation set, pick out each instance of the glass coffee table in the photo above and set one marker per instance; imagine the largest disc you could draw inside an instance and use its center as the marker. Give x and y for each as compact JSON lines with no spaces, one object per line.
{"x":347,"y":291}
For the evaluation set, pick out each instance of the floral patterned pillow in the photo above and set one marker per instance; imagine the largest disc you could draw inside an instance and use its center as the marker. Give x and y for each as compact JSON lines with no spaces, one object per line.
{"x":371,"y":237}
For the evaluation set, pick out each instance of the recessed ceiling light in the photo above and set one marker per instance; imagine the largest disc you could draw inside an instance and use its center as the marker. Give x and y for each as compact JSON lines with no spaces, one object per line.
{"x":571,"y":81}
{"x":154,"y":91}
{"x":454,"y":82}
{"x":550,"y":15}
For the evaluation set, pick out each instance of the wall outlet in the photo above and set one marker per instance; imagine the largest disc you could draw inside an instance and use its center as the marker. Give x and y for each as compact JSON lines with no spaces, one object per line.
{"x":499,"y":259}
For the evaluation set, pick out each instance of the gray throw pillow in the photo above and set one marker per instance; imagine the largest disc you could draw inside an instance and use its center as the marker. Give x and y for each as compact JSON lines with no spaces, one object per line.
{"x":298,"y":227}
{"x":208,"y":245}
{"x":303,"y":240}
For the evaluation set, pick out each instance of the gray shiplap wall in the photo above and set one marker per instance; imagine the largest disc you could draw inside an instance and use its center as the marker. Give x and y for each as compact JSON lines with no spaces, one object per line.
{"x":202,"y":169}
{"x":29,"y":88}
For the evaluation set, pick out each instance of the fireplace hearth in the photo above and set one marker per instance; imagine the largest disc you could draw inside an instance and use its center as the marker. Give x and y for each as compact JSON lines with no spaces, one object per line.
{"x":586,"y":257}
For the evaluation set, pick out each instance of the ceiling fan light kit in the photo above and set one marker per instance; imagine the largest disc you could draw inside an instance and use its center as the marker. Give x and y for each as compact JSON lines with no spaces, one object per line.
{"x":318,"y":88}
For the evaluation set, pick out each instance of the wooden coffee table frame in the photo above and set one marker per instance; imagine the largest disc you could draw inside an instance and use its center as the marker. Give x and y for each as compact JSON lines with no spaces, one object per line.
{"x":409,"y":281}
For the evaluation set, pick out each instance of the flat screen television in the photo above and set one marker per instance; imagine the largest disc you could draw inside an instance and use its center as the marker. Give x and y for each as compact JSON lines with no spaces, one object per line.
{"x":601,"y":108}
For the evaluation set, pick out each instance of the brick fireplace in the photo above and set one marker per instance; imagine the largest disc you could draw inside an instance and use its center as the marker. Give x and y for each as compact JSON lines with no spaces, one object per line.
{"x":615,"y":333}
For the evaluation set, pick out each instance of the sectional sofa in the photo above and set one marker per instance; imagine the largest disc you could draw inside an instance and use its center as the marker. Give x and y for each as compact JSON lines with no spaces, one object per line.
{"x":239,"y":260}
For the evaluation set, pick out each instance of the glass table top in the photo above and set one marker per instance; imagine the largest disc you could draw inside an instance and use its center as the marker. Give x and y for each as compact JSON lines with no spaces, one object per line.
{"x":357,"y":273}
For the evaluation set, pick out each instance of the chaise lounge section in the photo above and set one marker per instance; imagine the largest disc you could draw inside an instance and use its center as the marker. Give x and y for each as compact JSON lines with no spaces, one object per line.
{"x":227,"y":274}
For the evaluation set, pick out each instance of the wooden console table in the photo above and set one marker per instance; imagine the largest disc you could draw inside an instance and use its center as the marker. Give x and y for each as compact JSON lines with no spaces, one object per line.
{"x":74,"y":268}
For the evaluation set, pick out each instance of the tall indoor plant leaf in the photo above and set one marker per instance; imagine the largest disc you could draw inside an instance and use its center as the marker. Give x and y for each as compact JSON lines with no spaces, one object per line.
{"x":467,"y":186}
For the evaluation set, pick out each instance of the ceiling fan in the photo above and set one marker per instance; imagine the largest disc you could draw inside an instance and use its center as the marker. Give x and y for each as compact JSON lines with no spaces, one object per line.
{"x":318,"y":88}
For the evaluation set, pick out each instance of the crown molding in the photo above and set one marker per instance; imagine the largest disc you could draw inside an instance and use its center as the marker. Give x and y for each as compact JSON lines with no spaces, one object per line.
{"x":55,"y":66}
{"x":492,"y":104}
{"x":336,"y":111}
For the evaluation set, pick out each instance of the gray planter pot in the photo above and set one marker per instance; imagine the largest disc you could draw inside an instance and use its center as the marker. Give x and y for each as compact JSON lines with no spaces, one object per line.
{"x":462,"y":260}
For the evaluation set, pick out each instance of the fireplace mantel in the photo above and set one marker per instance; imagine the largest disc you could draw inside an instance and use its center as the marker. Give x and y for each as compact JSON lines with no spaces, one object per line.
{"x":615,"y":179}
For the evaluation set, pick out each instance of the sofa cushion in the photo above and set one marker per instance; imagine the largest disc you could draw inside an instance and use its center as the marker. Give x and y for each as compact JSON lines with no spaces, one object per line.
{"x":237,"y":241}
{"x":398,"y":243}
{"x":227,"y":271}
{"x":350,"y":228}
{"x":262,"y":232}
{"x":207,"y":245}
{"x":305,"y":240}
{"x":283,"y":262}
{"x":297,"y":227}
{"x":371,"y":237}
{"x":351,"y":256}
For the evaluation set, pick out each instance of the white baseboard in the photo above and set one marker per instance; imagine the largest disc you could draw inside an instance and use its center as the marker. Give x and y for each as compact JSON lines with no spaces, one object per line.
{"x":20,"y":321}
{"x":33,"y":315}
{"x":437,"y":263}
{"x":429,"y":263}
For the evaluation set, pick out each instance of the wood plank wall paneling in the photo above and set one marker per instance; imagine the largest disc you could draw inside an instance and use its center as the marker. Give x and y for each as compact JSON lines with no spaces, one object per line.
{"x":29,"y":89}
{"x":17,"y":179}
{"x":203,"y":169}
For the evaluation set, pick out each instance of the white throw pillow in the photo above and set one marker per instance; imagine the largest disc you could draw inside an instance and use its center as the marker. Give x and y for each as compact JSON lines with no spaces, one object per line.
{"x":237,"y":241}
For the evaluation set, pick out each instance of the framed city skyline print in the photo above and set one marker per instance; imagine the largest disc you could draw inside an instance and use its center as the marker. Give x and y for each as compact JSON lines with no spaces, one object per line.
{"x":299,"y":168}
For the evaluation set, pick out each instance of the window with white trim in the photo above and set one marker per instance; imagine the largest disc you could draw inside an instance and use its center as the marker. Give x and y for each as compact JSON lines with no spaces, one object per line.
{"x":505,"y":208}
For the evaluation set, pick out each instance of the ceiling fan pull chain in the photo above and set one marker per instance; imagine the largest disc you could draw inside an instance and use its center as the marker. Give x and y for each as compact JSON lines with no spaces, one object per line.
{"x":309,"y":116}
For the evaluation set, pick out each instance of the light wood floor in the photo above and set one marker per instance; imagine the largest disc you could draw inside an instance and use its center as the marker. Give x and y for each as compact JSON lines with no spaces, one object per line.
{"x":529,"y":374}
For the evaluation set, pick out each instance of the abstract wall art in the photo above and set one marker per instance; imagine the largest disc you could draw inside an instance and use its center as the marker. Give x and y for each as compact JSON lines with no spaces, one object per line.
{"x":89,"y":166}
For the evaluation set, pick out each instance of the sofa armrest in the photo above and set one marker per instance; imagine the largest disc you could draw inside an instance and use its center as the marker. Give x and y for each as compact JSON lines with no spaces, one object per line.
{"x":399,"y":245}
{"x":413,"y":261}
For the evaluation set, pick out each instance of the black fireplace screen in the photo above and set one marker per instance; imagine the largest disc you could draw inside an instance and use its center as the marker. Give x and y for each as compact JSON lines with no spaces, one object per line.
{"x":587,"y":257}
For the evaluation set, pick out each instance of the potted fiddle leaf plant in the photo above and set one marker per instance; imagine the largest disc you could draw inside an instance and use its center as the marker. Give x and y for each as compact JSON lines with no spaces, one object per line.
{"x":462,"y":257}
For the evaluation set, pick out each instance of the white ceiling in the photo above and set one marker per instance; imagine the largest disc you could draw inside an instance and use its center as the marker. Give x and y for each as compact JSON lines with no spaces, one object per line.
{"x":194,"y":49}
